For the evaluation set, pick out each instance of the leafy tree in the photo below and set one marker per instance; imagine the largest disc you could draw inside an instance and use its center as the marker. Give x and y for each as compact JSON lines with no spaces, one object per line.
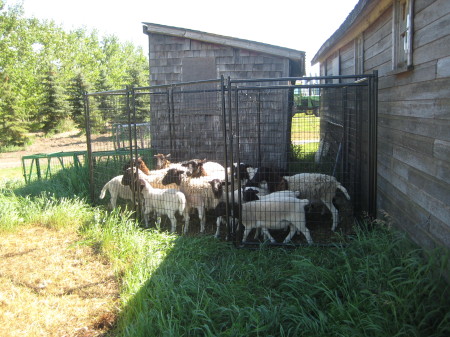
{"x":29,"y":45}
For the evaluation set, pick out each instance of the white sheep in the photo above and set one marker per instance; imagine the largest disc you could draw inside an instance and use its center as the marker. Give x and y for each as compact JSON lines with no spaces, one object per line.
{"x":116,"y":189}
{"x":274,"y":214}
{"x":201,"y":193}
{"x":247,"y":194}
{"x":163,"y":201}
{"x":316,"y":186}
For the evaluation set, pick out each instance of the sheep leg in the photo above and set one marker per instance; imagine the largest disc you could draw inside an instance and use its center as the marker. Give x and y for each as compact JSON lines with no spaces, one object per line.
{"x":246,"y":232}
{"x":334,"y":213}
{"x":113,"y":201}
{"x":305,"y":231}
{"x":292,"y":231}
{"x":218,"y":223}
{"x":173,"y":222}
{"x":186,"y":222}
{"x":267,"y":235}
{"x":146,"y":219}
{"x":201,"y":215}
{"x":258,"y":233}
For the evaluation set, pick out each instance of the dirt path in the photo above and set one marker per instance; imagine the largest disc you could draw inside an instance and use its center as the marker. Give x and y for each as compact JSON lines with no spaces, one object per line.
{"x":63,"y":142}
{"x":51,"y":286}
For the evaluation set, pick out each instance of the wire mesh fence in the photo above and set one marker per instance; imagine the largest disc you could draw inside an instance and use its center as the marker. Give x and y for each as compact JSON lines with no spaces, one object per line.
{"x":284,"y":160}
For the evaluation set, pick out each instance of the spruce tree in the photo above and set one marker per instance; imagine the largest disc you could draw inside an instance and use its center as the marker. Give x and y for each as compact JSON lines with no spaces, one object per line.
{"x":75,"y":92}
{"x":54,"y":108}
{"x":14,"y":129}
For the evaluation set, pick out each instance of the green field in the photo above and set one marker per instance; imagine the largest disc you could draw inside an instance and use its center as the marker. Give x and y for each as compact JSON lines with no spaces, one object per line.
{"x":305,"y":127}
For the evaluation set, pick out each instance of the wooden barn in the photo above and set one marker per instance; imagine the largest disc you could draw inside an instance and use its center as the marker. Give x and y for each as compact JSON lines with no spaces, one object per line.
{"x":408,"y":43}
{"x":189,"y":123}
{"x":184,"y":55}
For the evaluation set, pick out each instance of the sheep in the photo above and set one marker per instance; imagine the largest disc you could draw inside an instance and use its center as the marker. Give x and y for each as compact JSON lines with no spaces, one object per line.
{"x":202,"y":168}
{"x":241,"y":171}
{"x":316,"y":186}
{"x":116,"y":189}
{"x":247,"y":194}
{"x":201,"y":193}
{"x":139,"y":163}
{"x":271,"y":176}
{"x":220,"y":211}
{"x":163,"y":201}
{"x":154,"y":177}
{"x":269,"y":214}
{"x":161,"y":161}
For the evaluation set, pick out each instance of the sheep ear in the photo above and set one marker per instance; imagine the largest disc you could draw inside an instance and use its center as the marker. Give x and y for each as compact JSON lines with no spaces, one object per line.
{"x":168,"y":155}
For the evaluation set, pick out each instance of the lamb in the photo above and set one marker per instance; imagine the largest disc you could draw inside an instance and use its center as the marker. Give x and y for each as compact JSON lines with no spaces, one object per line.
{"x":220,"y":211}
{"x":316,"y":186}
{"x":201,"y":193}
{"x":269,"y":214}
{"x":116,"y":189}
{"x":163,"y":201}
{"x":247,"y":194}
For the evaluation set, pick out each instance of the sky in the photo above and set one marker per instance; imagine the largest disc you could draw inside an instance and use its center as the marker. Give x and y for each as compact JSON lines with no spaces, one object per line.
{"x":297,"y":24}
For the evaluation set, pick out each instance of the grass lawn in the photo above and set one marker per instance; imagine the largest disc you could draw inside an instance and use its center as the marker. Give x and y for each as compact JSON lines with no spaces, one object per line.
{"x":11,"y":173}
{"x":380,"y":284}
{"x":305,"y":127}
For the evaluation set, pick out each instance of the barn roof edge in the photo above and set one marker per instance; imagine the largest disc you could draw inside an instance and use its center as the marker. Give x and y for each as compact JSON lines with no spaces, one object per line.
{"x":289,"y":53}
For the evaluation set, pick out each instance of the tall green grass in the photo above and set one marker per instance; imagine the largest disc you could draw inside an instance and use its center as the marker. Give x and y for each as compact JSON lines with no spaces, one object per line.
{"x":380,"y":284}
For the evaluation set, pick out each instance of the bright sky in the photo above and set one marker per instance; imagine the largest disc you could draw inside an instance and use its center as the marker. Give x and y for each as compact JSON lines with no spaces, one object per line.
{"x":298,"y":24}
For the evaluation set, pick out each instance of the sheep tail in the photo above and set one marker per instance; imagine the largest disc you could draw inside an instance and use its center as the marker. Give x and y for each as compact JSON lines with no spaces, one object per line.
{"x":343,"y":190}
{"x":103,"y":192}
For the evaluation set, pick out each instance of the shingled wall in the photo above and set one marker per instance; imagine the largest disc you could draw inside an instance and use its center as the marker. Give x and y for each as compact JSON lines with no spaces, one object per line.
{"x":198,"y":117}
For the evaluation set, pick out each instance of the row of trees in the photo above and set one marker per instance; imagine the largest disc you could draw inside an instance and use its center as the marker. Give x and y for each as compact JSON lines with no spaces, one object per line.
{"x":44,"y":72}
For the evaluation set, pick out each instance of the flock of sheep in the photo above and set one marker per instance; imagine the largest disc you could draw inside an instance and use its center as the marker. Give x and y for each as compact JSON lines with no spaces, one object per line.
{"x":266,"y":199}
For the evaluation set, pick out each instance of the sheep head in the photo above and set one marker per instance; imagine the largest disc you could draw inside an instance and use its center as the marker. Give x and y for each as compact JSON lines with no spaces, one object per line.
{"x":173,"y":176}
{"x":137,"y":162}
{"x":217,"y":187}
{"x":131,"y":178}
{"x":195,"y":168}
{"x":162,"y":161}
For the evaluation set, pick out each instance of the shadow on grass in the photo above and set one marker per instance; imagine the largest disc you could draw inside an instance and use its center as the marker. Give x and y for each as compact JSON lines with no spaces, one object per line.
{"x":199,"y":286}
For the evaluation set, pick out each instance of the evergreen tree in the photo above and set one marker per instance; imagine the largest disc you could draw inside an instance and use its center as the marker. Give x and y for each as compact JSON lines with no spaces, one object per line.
{"x":14,"y":130}
{"x":53,"y":109}
{"x":76,"y":93}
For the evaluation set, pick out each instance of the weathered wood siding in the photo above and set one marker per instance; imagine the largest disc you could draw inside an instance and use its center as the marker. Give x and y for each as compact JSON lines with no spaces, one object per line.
{"x":197,"y":131}
{"x":414,"y":123}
